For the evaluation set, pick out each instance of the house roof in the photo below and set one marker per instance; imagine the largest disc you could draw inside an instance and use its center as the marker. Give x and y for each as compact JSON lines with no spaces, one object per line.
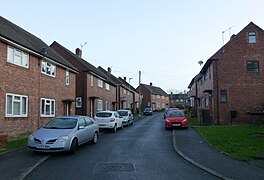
{"x":113,"y":79}
{"x":155,"y":90}
{"x":89,"y":67}
{"x":19,"y":36}
{"x":127,"y":84}
{"x":178,"y":96}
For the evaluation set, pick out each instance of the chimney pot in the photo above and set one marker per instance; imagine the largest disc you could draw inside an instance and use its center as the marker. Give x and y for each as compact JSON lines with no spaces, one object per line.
{"x":109,"y":70}
{"x":150,"y":84}
{"x":78,"y":52}
{"x":125,"y":78}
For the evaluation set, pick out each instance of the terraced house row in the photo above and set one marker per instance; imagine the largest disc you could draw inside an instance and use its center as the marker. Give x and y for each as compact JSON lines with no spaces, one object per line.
{"x":229,"y":88}
{"x":39,"y":82}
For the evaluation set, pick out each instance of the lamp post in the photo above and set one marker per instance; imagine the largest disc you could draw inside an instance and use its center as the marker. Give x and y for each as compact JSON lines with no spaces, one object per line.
{"x":129,"y":92}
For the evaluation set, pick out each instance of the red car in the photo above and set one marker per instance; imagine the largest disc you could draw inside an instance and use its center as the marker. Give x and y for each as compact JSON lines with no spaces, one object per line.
{"x":176,"y":118}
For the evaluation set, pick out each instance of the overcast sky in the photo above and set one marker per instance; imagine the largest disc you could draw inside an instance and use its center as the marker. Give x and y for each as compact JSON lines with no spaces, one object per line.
{"x":164,"y":39}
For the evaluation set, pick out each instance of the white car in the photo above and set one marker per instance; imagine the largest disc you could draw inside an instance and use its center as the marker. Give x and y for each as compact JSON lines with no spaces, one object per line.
{"x":128,"y":118}
{"x":109,"y":120}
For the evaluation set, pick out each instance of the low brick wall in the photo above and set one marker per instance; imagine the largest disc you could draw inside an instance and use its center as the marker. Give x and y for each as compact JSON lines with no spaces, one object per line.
{"x":3,"y":140}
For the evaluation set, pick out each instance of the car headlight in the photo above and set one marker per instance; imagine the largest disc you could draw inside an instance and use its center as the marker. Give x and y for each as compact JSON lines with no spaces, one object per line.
{"x":31,"y":138}
{"x":63,"y":139}
{"x":184,"y":120}
{"x":167,"y":120}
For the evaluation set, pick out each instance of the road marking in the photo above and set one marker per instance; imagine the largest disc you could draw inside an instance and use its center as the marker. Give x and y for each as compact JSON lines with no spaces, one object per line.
{"x":32,"y":168}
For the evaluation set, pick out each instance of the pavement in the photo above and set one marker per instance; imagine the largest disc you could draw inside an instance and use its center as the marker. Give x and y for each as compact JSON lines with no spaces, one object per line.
{"x":194,"y":149}
{"x":187,"y":143}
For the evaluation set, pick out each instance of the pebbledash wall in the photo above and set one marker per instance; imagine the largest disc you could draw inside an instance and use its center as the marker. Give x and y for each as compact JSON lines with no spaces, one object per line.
{"x":33,"y":84}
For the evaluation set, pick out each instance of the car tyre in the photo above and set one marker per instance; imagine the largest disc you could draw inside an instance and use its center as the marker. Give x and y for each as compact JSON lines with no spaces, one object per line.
{"x":74,"y":145}
{"x":114,"y":129}
{"x":95,"y":138}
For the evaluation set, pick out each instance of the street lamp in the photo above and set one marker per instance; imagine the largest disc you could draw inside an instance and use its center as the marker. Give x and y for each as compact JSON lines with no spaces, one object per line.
{"x":129,"y":92}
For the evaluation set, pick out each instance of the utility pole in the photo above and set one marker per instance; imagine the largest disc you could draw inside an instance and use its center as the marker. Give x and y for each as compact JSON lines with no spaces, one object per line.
{"x":139,"y":91}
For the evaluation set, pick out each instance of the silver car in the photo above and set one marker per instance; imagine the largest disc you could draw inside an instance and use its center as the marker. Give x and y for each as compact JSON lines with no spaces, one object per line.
{"x":64,"y":133}
{"x":128,"y":118}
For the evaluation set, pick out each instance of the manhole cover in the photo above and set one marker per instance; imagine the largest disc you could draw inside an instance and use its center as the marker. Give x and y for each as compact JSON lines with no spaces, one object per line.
{"x":114,"y":167}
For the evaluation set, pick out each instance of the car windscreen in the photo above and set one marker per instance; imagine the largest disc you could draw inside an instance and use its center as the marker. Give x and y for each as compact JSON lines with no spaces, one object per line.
{"x":148,"y":109}
{"x":123,"y":113}
{"x":103,"y":114}
{"x":175,"y":114}
{"x":61,"y":123}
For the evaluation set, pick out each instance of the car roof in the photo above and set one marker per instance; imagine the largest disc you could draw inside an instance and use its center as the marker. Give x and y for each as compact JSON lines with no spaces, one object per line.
{"x":106,"y":111}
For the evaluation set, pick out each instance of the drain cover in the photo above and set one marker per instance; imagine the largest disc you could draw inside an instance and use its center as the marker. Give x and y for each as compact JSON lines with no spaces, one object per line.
{"x":114,"y":167}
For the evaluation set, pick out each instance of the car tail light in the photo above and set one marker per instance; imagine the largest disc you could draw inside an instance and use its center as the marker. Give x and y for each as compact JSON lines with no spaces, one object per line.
{"x":112,"y":119}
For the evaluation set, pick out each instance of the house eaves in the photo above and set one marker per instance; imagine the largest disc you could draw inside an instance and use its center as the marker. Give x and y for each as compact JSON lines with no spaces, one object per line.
{"x":20,"y":38}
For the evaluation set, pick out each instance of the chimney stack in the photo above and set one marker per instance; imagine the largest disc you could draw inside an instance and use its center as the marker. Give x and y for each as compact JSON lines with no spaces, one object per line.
{"x":150,"y":83}
{"x":78,"y":52}
{"x":125,"y":78}
{"x":109,"y":70}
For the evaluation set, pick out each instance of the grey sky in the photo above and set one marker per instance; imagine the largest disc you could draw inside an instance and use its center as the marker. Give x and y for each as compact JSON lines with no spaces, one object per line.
{"x":164,"y":39}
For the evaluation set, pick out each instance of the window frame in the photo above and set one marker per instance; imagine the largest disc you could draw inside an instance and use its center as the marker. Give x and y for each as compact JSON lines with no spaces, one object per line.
{"x":52,"y":102}
{"x":250,"y":69}
{"x":67,"y":77}
{"x":107,"y":86}
{"x":11,"y":57}
{"x":252,"y":37}
{"x":52,"y":68}
{"x":107,"y":106}
{"x":20,"y":101}
{"x":100,"y":83}
{"x":99,"y":105}
{"x":223,"y":96}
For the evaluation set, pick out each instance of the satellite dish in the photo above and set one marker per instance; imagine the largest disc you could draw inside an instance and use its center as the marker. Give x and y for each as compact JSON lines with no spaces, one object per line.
{"x":200,"y":62}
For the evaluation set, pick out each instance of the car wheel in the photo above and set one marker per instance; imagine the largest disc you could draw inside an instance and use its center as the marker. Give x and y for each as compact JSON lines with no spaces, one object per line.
{"x":114,"y":129}
{"x":74,"y":145}
{"x":95,"y":138}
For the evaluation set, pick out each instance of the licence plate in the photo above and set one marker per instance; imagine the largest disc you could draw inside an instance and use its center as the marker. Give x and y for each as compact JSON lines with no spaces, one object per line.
{"x":176,"y":124}
{"x":102,"y":125}
{"x":42,"y":147}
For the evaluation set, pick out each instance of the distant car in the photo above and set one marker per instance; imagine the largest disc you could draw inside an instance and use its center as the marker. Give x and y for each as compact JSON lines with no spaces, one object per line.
{"x":147,"y":111}
{"x":169,"y":109}
{"x":127,"y":116}
{"x":176,"y":118}
{"x":109,"y":120}
{"x":64,"y":133}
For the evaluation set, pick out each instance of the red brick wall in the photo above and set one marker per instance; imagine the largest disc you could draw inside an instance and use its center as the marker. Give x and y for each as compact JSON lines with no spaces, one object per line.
{"x":30,"y":82}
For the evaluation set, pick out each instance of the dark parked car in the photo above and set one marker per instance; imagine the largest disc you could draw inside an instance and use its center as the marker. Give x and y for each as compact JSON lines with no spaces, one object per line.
{"x":148,"y":111}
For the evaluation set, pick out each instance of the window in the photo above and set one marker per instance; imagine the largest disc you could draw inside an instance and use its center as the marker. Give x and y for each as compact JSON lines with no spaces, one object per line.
{"x":100,"y":105}
{"x":17,"y":57}
{"x":16,"y":105}
{"x":252,"y":66}
{"x":100,"y":83}
{"x":163,"y":105}
{"x":107,"y":106}
{"x":252,"y":38}
{"x":223,"y":95}
{"x":107,"y":87}
{"x":162,"y":97}
{"x":91,"y":80}
{"x":67,"y":77}
{"x":167,"y":98}
{"x":47,"y":107}
{"x":158,"y":105}
{"x":48,"y":69}
{"x":124,"y":91}
{"x":158,"y":96}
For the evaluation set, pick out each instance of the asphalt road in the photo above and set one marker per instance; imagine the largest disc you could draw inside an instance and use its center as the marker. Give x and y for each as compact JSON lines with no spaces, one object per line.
{"x":142,"y":151}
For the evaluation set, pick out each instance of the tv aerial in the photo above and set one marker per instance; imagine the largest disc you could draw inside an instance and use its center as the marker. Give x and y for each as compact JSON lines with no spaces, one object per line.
{"x":200,"y":62}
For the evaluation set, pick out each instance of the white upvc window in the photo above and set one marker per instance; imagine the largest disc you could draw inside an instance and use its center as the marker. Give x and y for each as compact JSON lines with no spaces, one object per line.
{"x":100,"y":105}
{"x":47,"y":107}
{"x":16,"y":105}
{"x":18,"y":57}
{"x":92,"y":80}
{"x":100,"y":83}
{"x":67,"y":78}
{"x":124,"y":91}
{"x":158,"y":96}
{"x":107,"y":106}
{"x":162,"y":97}
{"x":48,"y":68}
{"x":107,"y":86}
{"x":167,"y":98}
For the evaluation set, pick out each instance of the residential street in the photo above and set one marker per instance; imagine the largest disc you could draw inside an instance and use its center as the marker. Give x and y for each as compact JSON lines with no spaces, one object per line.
{"x":143,"y":151}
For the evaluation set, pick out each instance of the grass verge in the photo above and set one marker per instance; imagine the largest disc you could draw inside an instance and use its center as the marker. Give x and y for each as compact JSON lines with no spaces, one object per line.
{"x":241,"y":142}
{"x":15,"y":144}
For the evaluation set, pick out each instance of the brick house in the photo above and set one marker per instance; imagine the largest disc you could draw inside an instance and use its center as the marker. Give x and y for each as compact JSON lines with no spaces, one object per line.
{"x":36,"y":83}
{"x":178,"y":100}
{"x":229,"y":88}
{"x":95,"y":91}
{"x":153,"y":97}
{"x":131,"y":95}
{"x":125,"y":94}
